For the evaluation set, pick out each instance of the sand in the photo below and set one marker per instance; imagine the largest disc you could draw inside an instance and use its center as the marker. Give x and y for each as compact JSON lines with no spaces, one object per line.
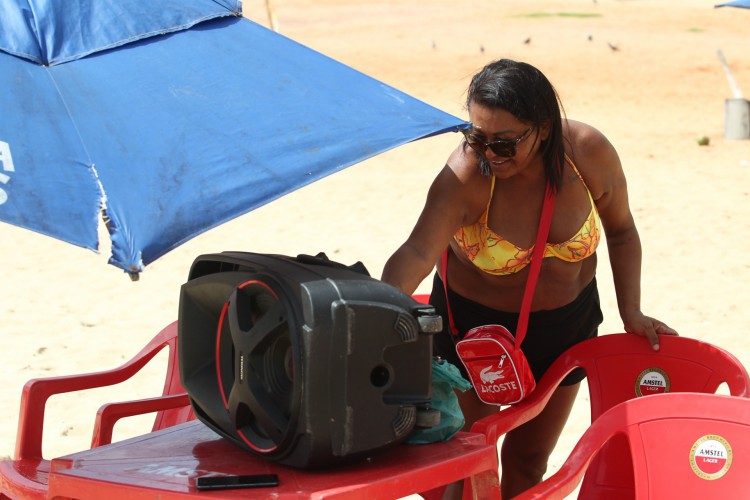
{"x":63,"y":310}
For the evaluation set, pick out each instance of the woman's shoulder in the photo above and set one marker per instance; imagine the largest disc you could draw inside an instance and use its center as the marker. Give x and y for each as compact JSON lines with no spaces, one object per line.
{"x":588,"y":147}
{"x":594,"y":156}
{"x":460,"y":185}
{"x":462,"y":176}
{"x":464,"y":164}
{"x":584,"y":138}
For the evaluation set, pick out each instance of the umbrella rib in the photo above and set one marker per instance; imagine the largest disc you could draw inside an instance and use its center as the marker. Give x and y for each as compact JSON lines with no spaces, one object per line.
{"x":90,"y":166}
{"x":70,"y":115}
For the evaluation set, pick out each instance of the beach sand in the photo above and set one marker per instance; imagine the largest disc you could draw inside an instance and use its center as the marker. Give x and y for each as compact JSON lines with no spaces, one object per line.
{"x":63,"y":310}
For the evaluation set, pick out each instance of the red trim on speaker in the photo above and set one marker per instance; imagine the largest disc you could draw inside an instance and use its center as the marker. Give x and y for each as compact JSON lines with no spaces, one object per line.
{"x":239,"y":432}
{"x":254,"y":447}
{"x":222,"y":316}
{"x":217,"y":361}
{"x":251,"y":282}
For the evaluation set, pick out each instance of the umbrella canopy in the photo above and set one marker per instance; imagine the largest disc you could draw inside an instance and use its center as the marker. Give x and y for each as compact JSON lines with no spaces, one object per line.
{"x":745,"y":4}
{"x":169,"y":117}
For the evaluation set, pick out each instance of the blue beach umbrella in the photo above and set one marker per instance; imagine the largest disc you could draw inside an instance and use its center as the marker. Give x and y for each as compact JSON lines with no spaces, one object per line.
{"x":169,"y":117}
{"x":745,"y":4}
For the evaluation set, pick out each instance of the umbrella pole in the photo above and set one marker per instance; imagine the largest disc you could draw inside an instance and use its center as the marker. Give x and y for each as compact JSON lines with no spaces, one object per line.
{"x":730,"y":76}
{"x":271,"y":15}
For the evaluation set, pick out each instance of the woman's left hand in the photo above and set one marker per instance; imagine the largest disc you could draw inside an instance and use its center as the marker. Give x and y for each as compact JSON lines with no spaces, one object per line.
{"x":648,"y":327}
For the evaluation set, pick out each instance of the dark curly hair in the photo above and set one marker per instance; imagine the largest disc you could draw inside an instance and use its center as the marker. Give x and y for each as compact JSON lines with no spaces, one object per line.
{"x":524,"y":91}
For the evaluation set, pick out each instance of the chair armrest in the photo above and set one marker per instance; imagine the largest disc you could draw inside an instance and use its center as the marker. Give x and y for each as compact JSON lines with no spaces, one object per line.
{"x":563,"y":482}
{"x":36,"y":392}
{"x":108,"y":414}
{"x":504,"y":421}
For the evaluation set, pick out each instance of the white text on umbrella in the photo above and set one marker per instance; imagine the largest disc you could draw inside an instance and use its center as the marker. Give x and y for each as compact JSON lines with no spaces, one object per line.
{"x":7,"y":161}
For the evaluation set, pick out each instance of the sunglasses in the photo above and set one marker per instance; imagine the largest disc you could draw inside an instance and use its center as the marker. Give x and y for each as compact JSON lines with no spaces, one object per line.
{"x":505,"y":148}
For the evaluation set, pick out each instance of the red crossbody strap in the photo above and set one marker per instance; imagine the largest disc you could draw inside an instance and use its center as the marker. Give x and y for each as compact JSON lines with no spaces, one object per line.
{"x":444,"y":275}
{"x":536,"y":266}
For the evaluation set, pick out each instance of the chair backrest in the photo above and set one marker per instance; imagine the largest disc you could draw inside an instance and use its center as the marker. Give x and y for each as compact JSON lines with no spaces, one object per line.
{"x":620,"y":367}
{"x":683,"y":445}
{"x":624,"y":366}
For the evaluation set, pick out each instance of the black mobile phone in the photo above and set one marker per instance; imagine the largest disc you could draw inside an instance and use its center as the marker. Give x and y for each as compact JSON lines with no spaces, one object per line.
{"x":244,"y":481}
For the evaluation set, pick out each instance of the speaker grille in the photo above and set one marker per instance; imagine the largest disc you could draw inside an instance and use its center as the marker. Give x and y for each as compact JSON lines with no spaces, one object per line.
{"x":407,"y":328}
{"x":405,"y":420}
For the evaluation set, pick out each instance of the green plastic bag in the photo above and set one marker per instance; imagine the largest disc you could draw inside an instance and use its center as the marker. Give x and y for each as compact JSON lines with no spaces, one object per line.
{"x":445,"y":377}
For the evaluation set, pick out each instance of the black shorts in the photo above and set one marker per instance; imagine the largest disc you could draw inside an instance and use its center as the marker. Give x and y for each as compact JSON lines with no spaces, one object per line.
{"x":550,"y":332}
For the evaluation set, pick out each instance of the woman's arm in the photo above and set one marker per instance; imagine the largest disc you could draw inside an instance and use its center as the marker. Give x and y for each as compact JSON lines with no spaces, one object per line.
{"x":449,"y":203}
{"x":602,"y":170}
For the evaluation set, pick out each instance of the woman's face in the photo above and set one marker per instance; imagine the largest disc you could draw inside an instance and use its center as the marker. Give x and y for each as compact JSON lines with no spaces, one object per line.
{"x":518,"y":140}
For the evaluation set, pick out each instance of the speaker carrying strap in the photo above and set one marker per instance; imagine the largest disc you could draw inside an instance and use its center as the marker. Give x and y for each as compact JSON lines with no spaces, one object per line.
{"x":536,"y":266}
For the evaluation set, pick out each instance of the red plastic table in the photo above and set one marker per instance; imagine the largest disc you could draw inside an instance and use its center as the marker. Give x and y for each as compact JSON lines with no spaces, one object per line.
{"x":164,"y":465}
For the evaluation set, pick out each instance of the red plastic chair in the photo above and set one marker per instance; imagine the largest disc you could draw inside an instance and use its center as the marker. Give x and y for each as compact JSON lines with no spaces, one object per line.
{"x":620,"y":367}
{"x":26,"y":475}
{"x":683,"y":445}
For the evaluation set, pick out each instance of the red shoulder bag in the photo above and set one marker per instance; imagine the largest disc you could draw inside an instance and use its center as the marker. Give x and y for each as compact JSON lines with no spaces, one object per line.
{"x":493,"y":358}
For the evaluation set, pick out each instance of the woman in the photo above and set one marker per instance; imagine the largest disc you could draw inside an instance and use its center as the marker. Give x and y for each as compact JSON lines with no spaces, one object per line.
{"x":485,"y":206}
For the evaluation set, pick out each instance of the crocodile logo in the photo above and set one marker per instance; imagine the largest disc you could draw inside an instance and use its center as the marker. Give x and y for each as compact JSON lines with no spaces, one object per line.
{"x":489,"y":377}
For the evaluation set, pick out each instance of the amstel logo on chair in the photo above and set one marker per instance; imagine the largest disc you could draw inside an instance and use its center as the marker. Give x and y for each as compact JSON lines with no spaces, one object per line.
{"x":711,"y":457}
{"x":652,"y":381}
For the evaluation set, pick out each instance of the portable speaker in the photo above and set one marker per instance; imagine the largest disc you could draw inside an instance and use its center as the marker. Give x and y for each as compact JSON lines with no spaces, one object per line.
{"x":303,"y":361}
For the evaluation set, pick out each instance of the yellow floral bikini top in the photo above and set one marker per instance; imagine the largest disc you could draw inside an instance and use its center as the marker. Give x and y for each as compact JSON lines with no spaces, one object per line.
{"x":494,"y":254}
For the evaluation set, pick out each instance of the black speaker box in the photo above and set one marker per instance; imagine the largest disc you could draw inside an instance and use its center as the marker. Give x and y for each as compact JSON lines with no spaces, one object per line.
{"x":303,"y":361}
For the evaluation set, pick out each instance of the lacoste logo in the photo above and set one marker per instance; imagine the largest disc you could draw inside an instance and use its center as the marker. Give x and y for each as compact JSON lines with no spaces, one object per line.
{"x":6,"y":160}
{"x":489,"y":376}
